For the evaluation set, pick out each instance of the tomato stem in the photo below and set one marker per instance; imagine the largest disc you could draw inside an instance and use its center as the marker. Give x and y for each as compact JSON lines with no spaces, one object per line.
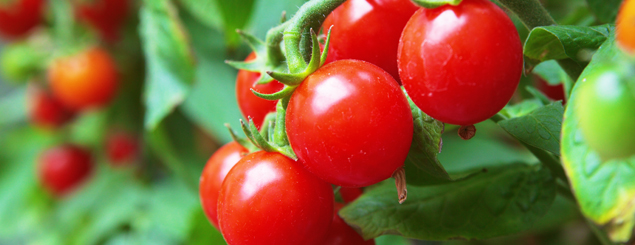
{"x":400,"y":183}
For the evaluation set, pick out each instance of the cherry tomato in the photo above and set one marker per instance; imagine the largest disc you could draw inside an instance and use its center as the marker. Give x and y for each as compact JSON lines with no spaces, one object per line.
{"x":17,"y":17}
{"x":342,"y":234}
{"x":45,"y":110}
{"x":350,"y":194}
{"x":554,"y":92}
{"x":63,"y":168}
{"x":625,"y":22}
{"x":105,"y":15}
{"x":121,"y":148}
{"x":84,"y":80}
{"x":350,"y":123}
{"x":268,"y":198}
{"x":356,"y":22}
{"x":213,"y":175}
{"x":250,"y":104}
{"x":605,"y":104}
{"x":460,"y":64}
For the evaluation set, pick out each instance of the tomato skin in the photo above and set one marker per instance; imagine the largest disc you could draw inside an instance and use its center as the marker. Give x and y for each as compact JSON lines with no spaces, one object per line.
{"x":45,"y":110}
{"x":342,"y":234}
{"x":19,"y":16}
{"x":106,"y":16}
{"x":604,"y":105}
{"x":63,"y":168}
{"x":355,"y":22}
{"x":268,"y":198}
{"x":122,"y":149}
{"x":350,"y":124}
{"x":350,"y":194}
{"x":213,"y":175}
{"x":554,"y":92}
{"x":625,"y":26}
{"x":457,"y":71}
{"x":85,"y":80}
{"x":250,"y":104}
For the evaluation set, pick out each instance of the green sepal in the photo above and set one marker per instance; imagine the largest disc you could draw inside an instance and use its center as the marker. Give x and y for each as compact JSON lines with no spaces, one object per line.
{"x":241,"y":141}
{"x":254,"y":43}
{"x":326,"y":47}
{"x":290,"y":79}
{"x":255,"y":137}
{"x":285,"y":92}
{"x":242,"y":65}
{"x":430,"y":4}
{"x":315,"y":61}
{"x":264,"y":79}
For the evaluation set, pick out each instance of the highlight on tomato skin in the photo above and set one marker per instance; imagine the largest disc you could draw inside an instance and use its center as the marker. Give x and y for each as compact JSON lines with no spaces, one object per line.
{"x":45,"y":110}
{"x":625,"y":26}
{"x":18,"y":17}
{"x":122,"y":148}
{"x":341,"y":233}
{"x":63,"y":168}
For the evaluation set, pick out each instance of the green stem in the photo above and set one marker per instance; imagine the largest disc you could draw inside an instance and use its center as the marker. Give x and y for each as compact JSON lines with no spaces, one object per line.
{"x":309,"y":16}
{"x":273,"y":39}
{"x":601,"y":236}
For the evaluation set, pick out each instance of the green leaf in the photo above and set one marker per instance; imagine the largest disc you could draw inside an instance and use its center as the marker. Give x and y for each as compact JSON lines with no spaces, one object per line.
{"x":392,"y":240}
{"x":604,"y":10}
{"x":267,"y":13}
{"x":236,"y":14}
{"x":13,"y":107}
{"x":170,"y":63}
{"x":521,"y":109}
{"x":205,"y":11}
{"x":430,"y":4}
{"x":605,"y":190}
{"x":562,"y":42}
{"x":551,"y":72}
{"x":500,"y":202}
{"x":540,"y":128}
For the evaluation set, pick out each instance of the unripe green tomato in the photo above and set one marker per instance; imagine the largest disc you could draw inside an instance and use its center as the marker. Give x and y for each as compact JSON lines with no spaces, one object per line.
{"x":606,"y":109}
{"x":20,"y":61}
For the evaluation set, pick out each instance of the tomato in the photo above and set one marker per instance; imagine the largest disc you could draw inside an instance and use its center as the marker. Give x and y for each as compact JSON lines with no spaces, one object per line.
{"x":625,"y":25}
{"x":342,"y":234}
{"x":63,"y":168}
{"x":45,"y":110}
{"x":268,"y":198}
{"x":350,"y":194}
{"x":460,"y":64}
{"x":350,"y":123}
{"x":84,"y":80}
{"x":213,"y":175}
{"x":17,"y":17}
{"x":604,"y":105}
{"x":250,"y":104}
{"x":368,"y":30}
{"x":554,"y":92}
{"x":105,"y":15}
{"x":121,"y":148}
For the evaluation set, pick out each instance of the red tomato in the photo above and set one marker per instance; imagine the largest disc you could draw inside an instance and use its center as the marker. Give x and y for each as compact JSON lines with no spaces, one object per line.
{"x":554,"y":92}
{"x":625,"y":25}
{"x":460,"y":64}
{"x":250,"y":104}
{"x":105,"y":15}
{"x":84,"y":80}
{"x":213,"y":175}
{"x":268,"y":198}
{"x":63,"y":168}
{"x":350,"y":123}
{"x":45,"y":110}
{"x":368,"y":30}
{"x":350,"y":194}
{"x":17,"y":17}
{"x":122,"y":149}
{"x":342,"y":234}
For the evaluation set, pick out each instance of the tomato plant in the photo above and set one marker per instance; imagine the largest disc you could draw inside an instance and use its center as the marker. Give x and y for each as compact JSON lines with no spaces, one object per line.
{"x":105,"y":15}
{"x":122,"y":148}
{"x":63,"y":168}
{"x":268,"y":198}
{"x":213,"y":175}
{"x":458,"y":72}
{"x":17,"y":17}
{"x":368,"y":30}
{"x":347,"y":100}
{"x":84,"y":80}
{"x":625,"y":34}
{"x":45,"y":110}
{"x":250,"y":104}
{"x":340,"y":233}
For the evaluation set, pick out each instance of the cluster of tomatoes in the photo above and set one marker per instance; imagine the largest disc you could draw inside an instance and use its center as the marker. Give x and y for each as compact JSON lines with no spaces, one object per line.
{"x":350,"y":123}
{"x":76,"y":82}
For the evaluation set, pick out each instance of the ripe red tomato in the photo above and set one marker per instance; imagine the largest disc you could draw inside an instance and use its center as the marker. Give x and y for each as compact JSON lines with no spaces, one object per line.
{"x":356,"y":22}
{"x":268,"y":198}
{"x":350,"y":124}
{"x":84,"y":80}
{"x":45,"y":110}
{"x":625,"y":25}
{"x":250,"y":104}
{"x":17,"y":17}
{"x":460,"y":64}
{"x":554,"y":92}
{"x":63,"y":168}
{"x":350,"y":194}
{"x":121,"y":148}
{"x":106,"y":16}
{"x":213,"y":175}
{"x":342,"y":234}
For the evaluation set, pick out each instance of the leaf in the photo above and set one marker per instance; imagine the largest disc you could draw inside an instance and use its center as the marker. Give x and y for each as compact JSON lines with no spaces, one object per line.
{"x":562,"y":42}
{"x":430,"y":4}
{"x":605,"y":190}
{"x":267,"y":14}
{"x":551,"y":72}
{"x":540,"y":128}
{"x":500,"y":202}
{"x":205,"y":11}
{"x":392,"y":240}
{"x":13,"y":107}
{"x":604,"y":10}
{"x":170,"y":63}
{"x":521,"y":109}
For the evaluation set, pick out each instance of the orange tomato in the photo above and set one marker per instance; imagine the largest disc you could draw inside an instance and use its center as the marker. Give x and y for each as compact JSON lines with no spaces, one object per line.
{"x":626,"y":26}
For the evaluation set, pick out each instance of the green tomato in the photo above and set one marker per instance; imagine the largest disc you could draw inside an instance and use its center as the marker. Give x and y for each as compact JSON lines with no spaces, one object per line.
{"x":20,"y":61}
{"x":605,"y":107}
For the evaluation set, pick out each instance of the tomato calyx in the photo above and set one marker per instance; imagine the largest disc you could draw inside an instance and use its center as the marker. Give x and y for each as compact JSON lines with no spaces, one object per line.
{"x":430,"y":4}
{"x":273,"y":134}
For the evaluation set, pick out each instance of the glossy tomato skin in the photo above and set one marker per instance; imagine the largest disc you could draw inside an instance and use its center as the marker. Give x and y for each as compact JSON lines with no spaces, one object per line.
{"x":64,"y":168}
{"x":368,"y":30}
{"x":250,"y":104}
{"x":350,"y":194}
{"x":457,"y":71}
{"x":625,"y":25}
{"x":84,"y":80}
{"x":17,"y":17}
{"x":268,"y":198}
{"x":45,"y":110}
{"x":122,"y":149}
{"x":106,"y":16}
{"x":350,"y":124}
{"x":213,"y":175}
{"x":342,"y":234}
